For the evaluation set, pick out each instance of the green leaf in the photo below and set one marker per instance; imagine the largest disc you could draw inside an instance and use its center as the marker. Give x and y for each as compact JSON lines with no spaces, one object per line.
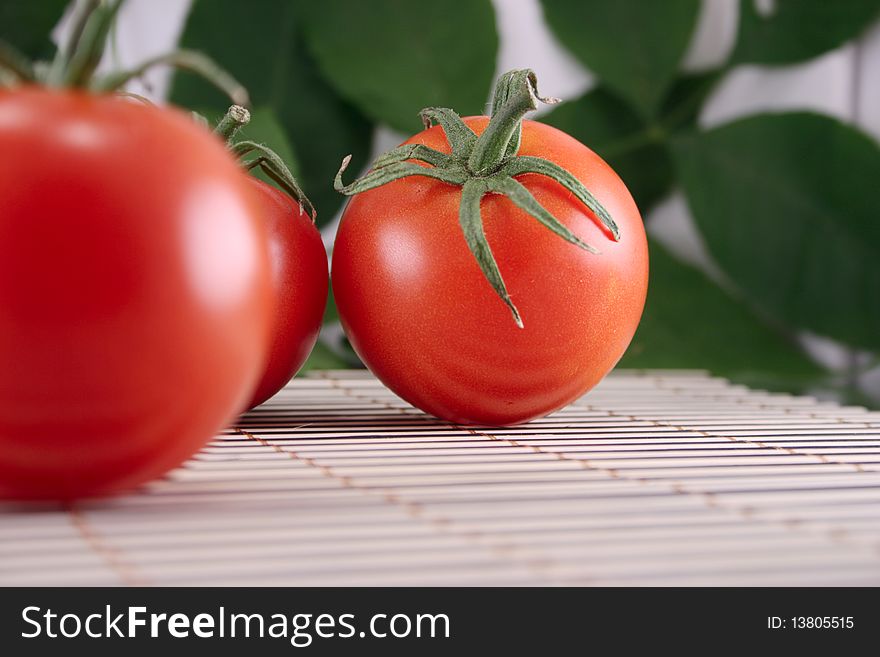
{"x":799,"y":29}
{"x":27,"y":25}
{"x":681,"y":106}
{"x":609,"y":127}
{"x":395,"y":57}
{"x":635,"y":148}
{"x":635,"y":47}
{"x":787,"y":204}
{"x":340,"y":345}
{"x":260,"y":43}
{"x":331,"y":313}
{"x":689,"y":322}
{"x":323,"y":358}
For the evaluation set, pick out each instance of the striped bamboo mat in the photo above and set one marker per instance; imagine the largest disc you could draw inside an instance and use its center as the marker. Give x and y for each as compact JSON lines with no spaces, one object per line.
{"x":654,"y":478}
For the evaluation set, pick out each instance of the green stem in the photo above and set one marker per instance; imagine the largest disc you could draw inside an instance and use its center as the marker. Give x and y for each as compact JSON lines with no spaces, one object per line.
{"x":236,"y":117}
{"x":275,"y":168}
{"x":412,"y":152}
{"x":460,"y":137}
{"x":183,"y":59}
{"x":57,"y":70}
{"x":91,"y":45}
{"x":522,"y":198}
{"x":78,"y":25}
{"x":76,"y":62}
{"x":504,"y":88}
{"x":540,"y":166}
{"x":266,"y":159}
{"x":143,"y":100}
{"x":15,"y":63}
{"x":471,"y":222}
{"x":394,"y":171}
{"x":515,"y":96}
{"x":65,"y":54}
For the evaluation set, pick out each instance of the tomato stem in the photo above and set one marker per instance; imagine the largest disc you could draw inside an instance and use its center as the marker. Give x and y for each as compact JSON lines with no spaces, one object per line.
{"x":81,"y":15}
{"x":515,"y":96}
{"x":482,"y":165}
{"x":188,"y":60}
{"x":460,"y":137}
{"x":76,"y":62}
{"x":15,"y":64}
{"x":89,"y":47}
{"x":266,"y":159}
{"x":235,"y":119}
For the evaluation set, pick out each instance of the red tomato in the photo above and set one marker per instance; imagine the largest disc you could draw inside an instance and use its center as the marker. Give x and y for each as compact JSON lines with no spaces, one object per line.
{"x":424,"y":319}
{"x":135,"y":293}
{"x":300,"y":281}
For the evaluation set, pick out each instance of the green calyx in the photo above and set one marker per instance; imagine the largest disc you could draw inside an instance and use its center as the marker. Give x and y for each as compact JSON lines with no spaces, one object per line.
{"x":488,"y":164}
{"x":76,"y":61}
{"x":253,"y":155}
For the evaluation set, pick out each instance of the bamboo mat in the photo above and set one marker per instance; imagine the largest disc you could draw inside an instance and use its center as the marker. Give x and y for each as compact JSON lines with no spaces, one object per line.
{"x":654,"y":478}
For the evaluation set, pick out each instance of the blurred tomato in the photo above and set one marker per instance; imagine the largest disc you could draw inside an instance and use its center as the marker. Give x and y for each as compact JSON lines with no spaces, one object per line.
{"x":135,"y":294}
{"x":300,"y":281}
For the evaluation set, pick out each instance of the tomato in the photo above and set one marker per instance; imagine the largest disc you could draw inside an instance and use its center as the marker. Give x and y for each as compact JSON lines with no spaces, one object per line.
{"x":299,"y":281}
{"x":135,"y":294}
{"x":420,"y":313}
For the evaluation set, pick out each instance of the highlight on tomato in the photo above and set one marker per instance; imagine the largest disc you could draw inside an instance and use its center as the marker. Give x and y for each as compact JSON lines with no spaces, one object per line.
{"x":300,"y":276}
{"x":135,"y":289}
{"x":490,"y":270}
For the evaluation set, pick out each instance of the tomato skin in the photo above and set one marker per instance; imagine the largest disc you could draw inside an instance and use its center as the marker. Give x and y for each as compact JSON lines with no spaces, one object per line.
{"x":423,"y":318}
{"x":134,"y":292}
{"x":300,"y":279}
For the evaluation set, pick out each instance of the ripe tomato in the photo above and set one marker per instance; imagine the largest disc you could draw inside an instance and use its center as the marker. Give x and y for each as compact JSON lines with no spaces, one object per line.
{"x":299,"y":280}
{"x":134,"y":292}
{"x":422,"y":316}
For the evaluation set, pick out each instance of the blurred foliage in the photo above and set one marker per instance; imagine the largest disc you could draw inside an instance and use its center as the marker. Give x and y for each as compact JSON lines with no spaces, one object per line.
{"x":394,"y":57}
{"x":729,"y":335}
{"x":324,"y":358}
{"x":799,"y":29}
{"x":785,"y":202}
{"x":787,"y":205}
{"x":28,"y":24}
{"x":261,"y":43}
{"x":634,"y":47}
{"x":637,"y":148}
